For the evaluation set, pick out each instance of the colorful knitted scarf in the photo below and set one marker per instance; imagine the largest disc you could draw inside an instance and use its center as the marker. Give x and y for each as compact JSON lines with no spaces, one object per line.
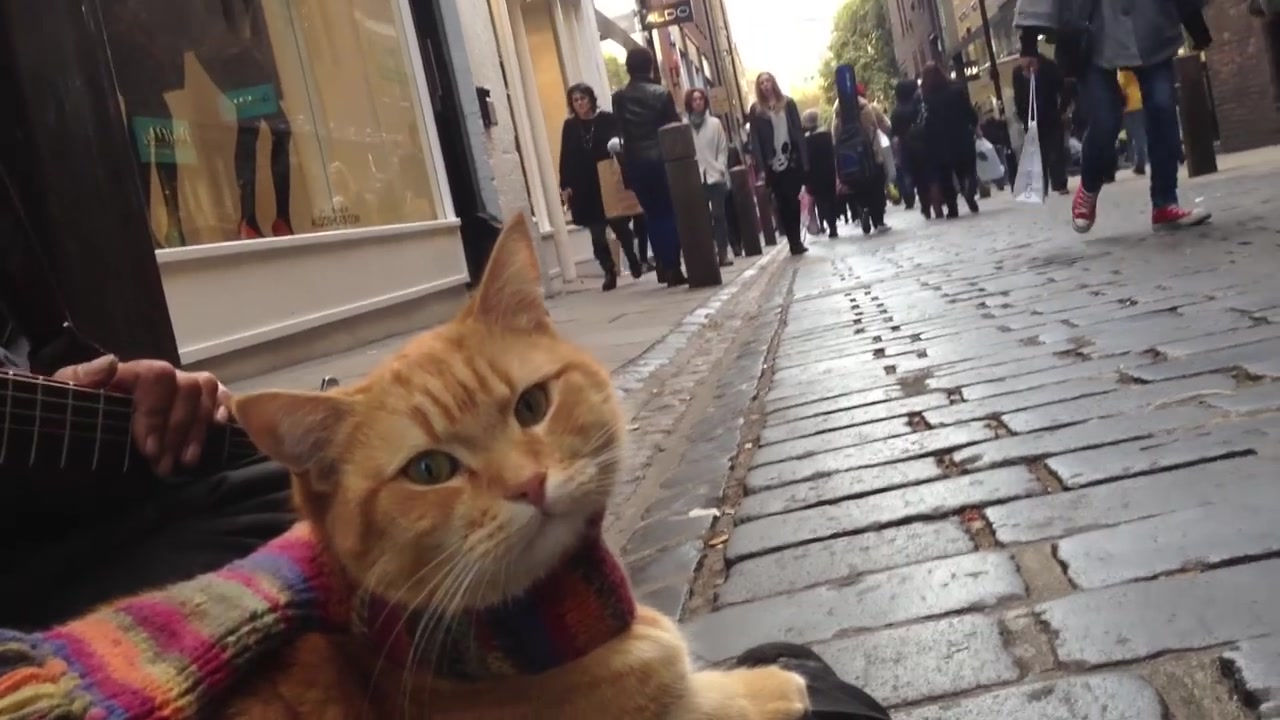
{"x":172,"y":654}
{"x":581,"y":605}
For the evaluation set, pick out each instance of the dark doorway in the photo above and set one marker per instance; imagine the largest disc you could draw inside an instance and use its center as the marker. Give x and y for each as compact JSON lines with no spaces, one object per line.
{"x":480,"y":228}
{"x":67,"y":150}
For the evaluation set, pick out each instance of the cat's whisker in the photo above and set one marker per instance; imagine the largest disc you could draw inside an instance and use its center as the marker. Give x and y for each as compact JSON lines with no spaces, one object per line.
{"x":438,"y":621}
{"x":449,"y":552}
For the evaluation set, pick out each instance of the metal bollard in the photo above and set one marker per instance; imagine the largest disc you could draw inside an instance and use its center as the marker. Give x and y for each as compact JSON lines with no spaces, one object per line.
{"x":764,"y":213}
{"x":1196,"y":110}
{"x":744,"y":207}
{"x":693,"y":214}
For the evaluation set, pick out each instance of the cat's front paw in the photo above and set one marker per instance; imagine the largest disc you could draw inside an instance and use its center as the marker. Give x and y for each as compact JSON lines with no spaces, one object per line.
{"x":778,"y":694}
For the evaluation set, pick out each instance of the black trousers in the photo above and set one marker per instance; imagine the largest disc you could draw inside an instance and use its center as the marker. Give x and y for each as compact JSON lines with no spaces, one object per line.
{"x":600,"y":244}
{"x":1053,"y":153}
{"x":786,"y":186}
{"x":61,"y":567}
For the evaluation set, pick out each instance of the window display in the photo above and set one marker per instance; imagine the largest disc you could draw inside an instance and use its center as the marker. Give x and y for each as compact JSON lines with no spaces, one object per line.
{"x":266,"y":118}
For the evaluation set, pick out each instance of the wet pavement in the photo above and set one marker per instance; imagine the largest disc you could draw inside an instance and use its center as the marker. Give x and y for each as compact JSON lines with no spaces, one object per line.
{"x":996,"y":468}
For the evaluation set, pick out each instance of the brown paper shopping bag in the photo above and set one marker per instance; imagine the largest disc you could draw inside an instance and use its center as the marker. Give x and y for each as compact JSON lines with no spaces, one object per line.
{"x":619,"y":202}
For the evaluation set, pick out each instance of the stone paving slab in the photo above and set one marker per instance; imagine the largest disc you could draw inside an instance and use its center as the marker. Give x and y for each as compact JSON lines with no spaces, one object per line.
{"x":930,"y":500}
{"x":1098,"y":697}
{"x":925,"y":661}
{"x":842,"y":558}
{"x":840,"y":436}
{"x":882,"y":452}
{"x":1123,"y":400}
{"x":1063,"y":514}
{"x":840,"y":486}
{"x":1213,"y":361}
{"x":1249,"y":399}
{"x":1046,"y":443}
{"x":774,"y":433}
{"x":789,"y":408}
{"x":1256,"y":666}
{"x":1220,"y":441}
{"x":931,"y":589}
{"x":1105,"y":367}
{"x":1013,"y":402}
{"x":1139,"y":620}
{"x":1238,"y":528}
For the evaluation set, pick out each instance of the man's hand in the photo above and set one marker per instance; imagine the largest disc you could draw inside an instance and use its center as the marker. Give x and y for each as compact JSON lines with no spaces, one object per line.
{"x":172,"y":409}
{"x":565,"y":196}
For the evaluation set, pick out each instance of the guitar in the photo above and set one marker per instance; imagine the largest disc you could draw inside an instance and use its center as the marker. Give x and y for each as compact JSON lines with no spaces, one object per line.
{"x":53,"y":425}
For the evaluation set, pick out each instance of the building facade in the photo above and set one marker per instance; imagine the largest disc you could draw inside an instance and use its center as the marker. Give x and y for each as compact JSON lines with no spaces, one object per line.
{"x":918,"y":33}
{"x":1244,"y":76}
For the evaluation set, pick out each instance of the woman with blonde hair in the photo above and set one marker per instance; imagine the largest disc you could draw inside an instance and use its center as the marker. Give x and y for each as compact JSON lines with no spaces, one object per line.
{"x":777,"y":144}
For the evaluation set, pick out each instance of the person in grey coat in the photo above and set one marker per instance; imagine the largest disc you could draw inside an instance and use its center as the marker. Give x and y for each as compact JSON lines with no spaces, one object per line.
{"x":1095,"y":38}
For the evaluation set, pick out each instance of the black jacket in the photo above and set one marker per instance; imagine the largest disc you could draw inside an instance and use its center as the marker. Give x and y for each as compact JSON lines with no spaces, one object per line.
{"x":762,"y":147}
{"x":821,"y":179}
{"x":642,"y":107}
{"x":1049,"y":96}
{"x":583,"y":144}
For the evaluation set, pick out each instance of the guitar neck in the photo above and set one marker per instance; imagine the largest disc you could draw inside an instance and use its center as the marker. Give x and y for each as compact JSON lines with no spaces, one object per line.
{"x":51,"y":425}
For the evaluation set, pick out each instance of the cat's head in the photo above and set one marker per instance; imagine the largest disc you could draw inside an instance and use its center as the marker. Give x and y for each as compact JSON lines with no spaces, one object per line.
{"x":464,"y":467}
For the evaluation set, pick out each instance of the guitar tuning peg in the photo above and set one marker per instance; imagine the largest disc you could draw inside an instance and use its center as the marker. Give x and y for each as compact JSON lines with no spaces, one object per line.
{"x":328,"y":383}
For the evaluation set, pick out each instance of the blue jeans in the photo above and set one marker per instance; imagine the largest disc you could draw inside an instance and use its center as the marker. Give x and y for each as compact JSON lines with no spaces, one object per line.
{"x":1104,"y":107}
{"x":1135,"y":125}
{"x":648,"y":180}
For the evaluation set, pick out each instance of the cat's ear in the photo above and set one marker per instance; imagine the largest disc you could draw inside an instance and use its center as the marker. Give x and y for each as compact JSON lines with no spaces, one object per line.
{"x":510,"y":294}
{"x":294,"y":428}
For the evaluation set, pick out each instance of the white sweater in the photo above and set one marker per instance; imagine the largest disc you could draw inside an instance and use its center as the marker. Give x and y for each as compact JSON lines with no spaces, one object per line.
{"x":712,"y":146}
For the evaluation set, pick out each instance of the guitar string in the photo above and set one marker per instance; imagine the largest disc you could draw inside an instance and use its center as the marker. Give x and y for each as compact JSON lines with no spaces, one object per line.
{"x":57,"y":403}
{"x":242,"y":443}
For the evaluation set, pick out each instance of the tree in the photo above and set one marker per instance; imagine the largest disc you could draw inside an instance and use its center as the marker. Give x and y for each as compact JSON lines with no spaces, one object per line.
{"x":616,"y":73}
{"x":861,"y":36}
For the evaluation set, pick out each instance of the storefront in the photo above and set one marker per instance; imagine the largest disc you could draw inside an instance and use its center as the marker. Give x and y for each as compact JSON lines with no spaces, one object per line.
{"x":284,"y":161}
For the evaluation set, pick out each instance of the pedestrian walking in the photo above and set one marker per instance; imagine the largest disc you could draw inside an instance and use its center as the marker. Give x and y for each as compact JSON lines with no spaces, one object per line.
{"x":779,"y":148}
{"x":711,"y":144}
{"x":949,"y":125}
{"x":642,"y":108}
{"x":821,"y":180}
{"x":583,"y":144}
{"x":906,"y":145}
{"x":868,"y":195}
{"x":1049,"y":118}
{"x":1135,"y":122}
{"x":1095,"y":39}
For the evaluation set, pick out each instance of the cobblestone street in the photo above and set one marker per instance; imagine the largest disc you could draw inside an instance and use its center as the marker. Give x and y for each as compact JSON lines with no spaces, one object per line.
{"x":998,"y":469}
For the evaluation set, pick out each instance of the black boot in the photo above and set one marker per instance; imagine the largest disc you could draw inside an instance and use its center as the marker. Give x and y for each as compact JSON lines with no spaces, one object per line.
{"x":972,"y":202}
{"x":676,"y":278}
{"x":610,"y":281}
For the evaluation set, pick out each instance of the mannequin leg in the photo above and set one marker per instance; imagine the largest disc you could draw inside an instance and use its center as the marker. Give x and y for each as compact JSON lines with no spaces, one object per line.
{"x":167,"y":172}
{"x":281,"y":133}
{"x":246,"y":161}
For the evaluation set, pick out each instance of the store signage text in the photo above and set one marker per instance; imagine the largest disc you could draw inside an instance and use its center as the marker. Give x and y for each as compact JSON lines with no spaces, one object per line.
{"x":676,"y":13}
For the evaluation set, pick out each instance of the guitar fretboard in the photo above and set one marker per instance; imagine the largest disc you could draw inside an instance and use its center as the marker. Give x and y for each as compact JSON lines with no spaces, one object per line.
{"x":56,"y":425}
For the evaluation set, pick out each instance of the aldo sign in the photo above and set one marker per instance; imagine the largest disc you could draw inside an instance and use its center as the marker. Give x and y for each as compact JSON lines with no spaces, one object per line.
{"x":672,"y":13}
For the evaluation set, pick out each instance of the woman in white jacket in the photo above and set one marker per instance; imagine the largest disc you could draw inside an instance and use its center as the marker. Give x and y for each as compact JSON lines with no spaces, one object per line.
{"x":712,"y":145}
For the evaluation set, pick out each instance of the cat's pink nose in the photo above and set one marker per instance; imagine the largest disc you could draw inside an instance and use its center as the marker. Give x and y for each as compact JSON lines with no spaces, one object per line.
{"x":533,"y":490}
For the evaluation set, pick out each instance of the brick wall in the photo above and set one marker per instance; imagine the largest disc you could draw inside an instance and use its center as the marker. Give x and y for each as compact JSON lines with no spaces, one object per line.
{"x":1242,"y":77}
{"x":500,"y":141}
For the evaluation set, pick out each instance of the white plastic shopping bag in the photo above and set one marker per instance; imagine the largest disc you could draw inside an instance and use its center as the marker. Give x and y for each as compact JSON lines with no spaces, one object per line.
{"x":884,"y":148}
{"x":1028,"y":187}
{"x":990,"y":169}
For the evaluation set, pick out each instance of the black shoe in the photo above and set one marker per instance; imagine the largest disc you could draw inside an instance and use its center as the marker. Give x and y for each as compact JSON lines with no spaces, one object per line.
{"x":725,"y":261}
{"x":833,"y":234}
{"x":737,"y":252}
{"x":830,"y":696}
{"x":677,"y":279}
{"x":972,"y":202}
{"x":610,"y":282}
{"x":1139,"y":171}
{"x":924,"y":210}
{"x":800,"y":250}
{"x":636,"y":270}
{"x":661,"y":272}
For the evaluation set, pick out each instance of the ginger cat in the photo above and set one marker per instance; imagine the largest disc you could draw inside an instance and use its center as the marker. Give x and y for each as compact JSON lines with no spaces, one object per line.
{"x":460,"y":488}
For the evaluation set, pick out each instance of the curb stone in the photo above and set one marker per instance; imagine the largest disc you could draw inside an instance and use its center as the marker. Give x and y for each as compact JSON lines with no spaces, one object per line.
{"x":665,"y":552}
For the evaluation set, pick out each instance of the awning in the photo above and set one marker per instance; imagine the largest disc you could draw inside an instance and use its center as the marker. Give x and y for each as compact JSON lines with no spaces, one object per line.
{"x":610,"y":30}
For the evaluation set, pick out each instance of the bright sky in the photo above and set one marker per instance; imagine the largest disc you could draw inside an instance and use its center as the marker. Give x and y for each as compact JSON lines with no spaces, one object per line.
{"x":788,"y":39}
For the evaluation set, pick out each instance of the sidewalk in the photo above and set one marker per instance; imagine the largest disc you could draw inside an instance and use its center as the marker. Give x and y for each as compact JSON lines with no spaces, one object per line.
{"x":617,"y":327}
{"x":1002,"y":470}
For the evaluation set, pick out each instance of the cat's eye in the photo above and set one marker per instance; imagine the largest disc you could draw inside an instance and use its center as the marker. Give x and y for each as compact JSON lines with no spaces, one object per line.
{"x":432,"y":467}
{"x":532,"y":405}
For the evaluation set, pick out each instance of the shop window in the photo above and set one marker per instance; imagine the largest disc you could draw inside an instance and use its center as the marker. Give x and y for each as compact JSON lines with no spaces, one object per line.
{"x":268,"y":118}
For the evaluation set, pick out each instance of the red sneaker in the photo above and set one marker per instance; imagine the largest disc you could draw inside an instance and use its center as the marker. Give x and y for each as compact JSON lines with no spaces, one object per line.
{"x":1172,"y":217}
{"x":1084,"y":210}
